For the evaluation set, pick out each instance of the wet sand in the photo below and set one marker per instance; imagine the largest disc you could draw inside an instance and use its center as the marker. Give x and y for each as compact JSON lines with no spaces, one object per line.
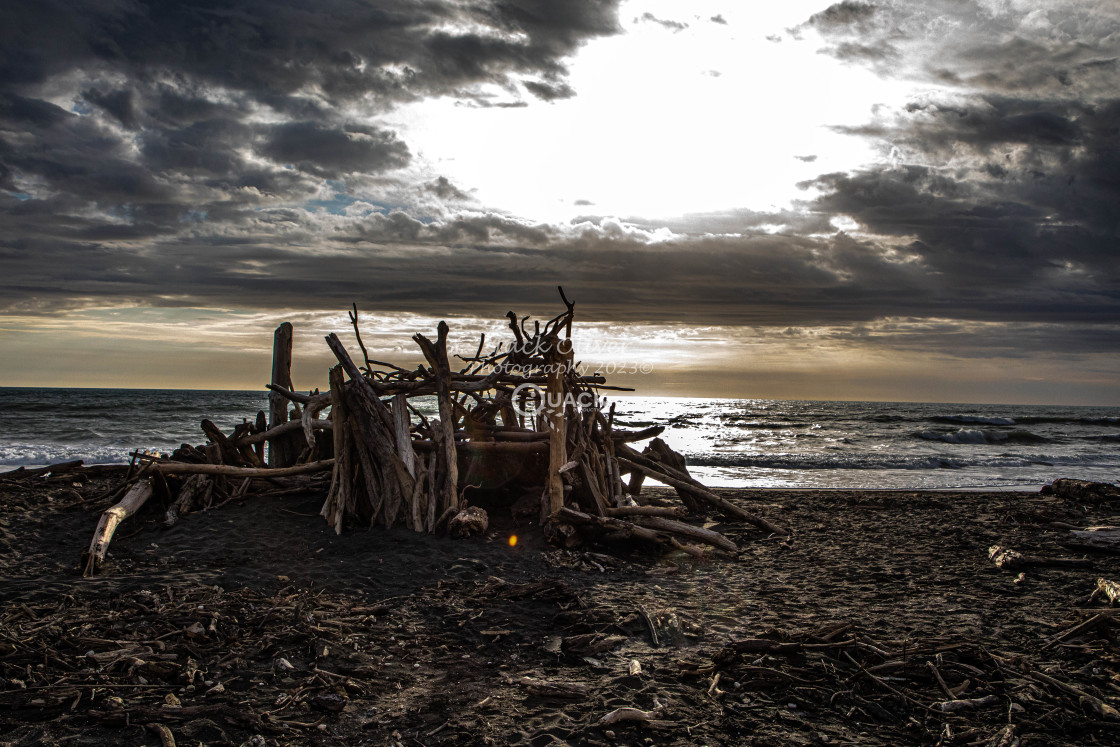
{"x":253,"y":623}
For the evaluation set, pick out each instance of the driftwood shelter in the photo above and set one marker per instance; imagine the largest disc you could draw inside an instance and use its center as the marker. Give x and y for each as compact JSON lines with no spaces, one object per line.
{"x":519,"y":423}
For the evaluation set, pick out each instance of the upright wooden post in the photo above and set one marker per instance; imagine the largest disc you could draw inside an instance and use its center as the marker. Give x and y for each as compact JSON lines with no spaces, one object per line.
{"x":277,"y":404}
{"x":448,"y":461}
{"x":557,"y":426}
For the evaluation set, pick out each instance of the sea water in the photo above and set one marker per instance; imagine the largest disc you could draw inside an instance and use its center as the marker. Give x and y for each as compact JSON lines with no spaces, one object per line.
{"x":727,"y":442}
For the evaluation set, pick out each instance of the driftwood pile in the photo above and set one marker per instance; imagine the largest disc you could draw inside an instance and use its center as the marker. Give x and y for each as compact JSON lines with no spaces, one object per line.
{"x":941,"y":690}
{"x":519,"y":422}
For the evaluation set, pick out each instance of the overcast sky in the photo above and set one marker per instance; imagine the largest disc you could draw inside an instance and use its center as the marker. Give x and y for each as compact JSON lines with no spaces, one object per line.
{"x":893,"y":200}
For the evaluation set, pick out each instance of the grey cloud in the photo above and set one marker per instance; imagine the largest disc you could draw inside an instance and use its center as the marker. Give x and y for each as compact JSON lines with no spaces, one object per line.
{"x":550,"y":91}
{"x":1064,"y":46}
{"x":673,"y":26}
{"x":445,"y":190}
{"x":332,"y":151}
{"x":120,"y":103}
{"x":844,"y":14}
{"x":165,"y":128}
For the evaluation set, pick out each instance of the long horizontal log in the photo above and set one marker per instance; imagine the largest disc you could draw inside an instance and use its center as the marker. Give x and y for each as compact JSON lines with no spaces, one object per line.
{"x":185,"y":468}
{"x":667,"y":512}
{"x":504,"y":434}
{"x":302,"y":399}
{"x":626,"y":527}
{"x":707,"y":536}
{"x":291,"y":425}
{"x":54,"y":469}
{"x":625,"y":437}
{"x":1106,"y":539}
{"x":703,"y":493}
{"x":490,"y":447}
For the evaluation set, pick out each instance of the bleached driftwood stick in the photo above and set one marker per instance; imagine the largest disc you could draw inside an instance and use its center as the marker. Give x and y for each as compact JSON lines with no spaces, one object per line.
{"x":725,"y":506}
{"x":136,"y":497}
{"x":184,"y":468}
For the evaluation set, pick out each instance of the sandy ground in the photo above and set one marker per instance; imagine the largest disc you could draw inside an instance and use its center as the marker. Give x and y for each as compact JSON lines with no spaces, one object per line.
{"x":255,"y":624}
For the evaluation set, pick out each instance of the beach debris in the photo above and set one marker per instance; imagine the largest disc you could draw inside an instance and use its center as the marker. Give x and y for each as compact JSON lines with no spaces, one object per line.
{"x":22,"y":473}
{"x":636,"y":717}
{"x":1100,"y":538}
{"x":1011,"y":560}
{"x":1110,"y":590}
{"x":851,"y":672}
{"x":133,"y":500}
{"x":1082,"y":491}
{"x":469,"y":521}
{"x":952,"y":706}
{"x":570,"y":690}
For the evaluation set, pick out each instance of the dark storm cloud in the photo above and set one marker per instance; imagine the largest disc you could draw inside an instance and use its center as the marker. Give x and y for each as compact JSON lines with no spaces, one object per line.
{"x":1033,"y":187}
{"x":1001,"y":194}
{"x":185,"y":75}
{"x":550,"y":91}
{"x":393,"y":48}
{"x":127,"y":126}
{"x":331,"y":151}
{"x":206,"y":154}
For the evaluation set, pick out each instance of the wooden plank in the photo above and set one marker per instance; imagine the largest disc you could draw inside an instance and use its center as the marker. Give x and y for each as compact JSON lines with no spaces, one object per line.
{"x":278,"y":452}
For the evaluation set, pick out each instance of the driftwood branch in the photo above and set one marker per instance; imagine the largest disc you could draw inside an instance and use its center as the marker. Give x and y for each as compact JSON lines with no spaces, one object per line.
{"x":133,"y":500}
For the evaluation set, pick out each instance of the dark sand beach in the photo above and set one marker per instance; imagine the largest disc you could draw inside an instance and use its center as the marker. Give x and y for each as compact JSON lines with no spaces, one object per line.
{"x":255,"y":624}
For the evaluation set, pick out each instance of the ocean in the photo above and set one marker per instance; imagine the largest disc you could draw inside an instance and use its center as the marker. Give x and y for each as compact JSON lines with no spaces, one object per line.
{"x":727,"y":442}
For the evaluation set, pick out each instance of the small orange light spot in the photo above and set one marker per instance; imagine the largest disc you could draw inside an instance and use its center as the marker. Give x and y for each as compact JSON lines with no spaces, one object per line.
{"x":512,"y":540}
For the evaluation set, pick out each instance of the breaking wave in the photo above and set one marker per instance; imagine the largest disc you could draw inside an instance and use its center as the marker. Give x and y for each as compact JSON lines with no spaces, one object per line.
{"x":978,"y":436}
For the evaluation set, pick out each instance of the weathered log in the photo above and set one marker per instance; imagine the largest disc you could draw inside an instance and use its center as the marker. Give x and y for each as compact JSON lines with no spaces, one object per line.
{"x":286,"y":393}
{"x":725,"y":506}
{"x":1104,"y":539}
{"x":707,"y":536}
{"x":557,"y":428}
{"x":668,"y":512}
{"x":625,"y":437}
{"x":377,"y":434}
{"x":309,"y":418}
{"x":1110,"y":590}
{"x":624,"y":528}
{"x":436,"y":355}
{"x":185,"y":468}
{"x":259,"y":427}
{"x":133,"y":500}
{"x":280,"y":430}
{"x":1083,"y":490}
{"x":278,"y":455}
{"x":51,"y":469}
{"x":338,"y":497}
{"x":195,"y":490}
{"x":636,"y":716}
{"x":546,"y":689}
{"x":401,"y":429}
{"x":952,"y":706}
{"x":1012,"y":560}
{"x":226,"y":448}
